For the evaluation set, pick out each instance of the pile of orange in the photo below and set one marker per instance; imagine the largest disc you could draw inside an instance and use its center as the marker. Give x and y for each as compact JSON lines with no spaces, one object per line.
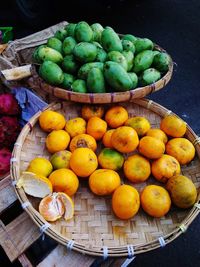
{"x":125,"y":144}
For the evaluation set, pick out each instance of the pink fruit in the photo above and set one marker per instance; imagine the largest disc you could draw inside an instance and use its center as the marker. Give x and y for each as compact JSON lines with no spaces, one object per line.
{"x":9,"y":130}
{"x":9,"y":104}
{"x":5,"y":156}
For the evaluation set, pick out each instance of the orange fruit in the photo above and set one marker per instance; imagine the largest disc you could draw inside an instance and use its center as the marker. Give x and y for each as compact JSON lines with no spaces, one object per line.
{"x":89,"y":111}
{"x":60,"y":159}
{"x":155,"y":200}
{"x":83,"y":140}
{"x":137,"y":168}
{"x":64,"y":180}
{"x":173,"y":126}
{"x":165,"y":167}
{"x":96,"y":127}
{"x":50,"y":120}
{"x":57,"y":140}
{"x":157,"y":133}
{"x":54,"y":206}
{"x":103,"y":182}
{"x":140,"y":124}
{"x":125,"y":201}
{"x":35,"y":185}
{"x":151,"y":147}
{"x":182,"y":191}
{"x":40,"y":166}
{"x":83,"y":162}
{"x":75,"y":126}
{"x":182,"y":149}
{"x":110,"y":159}
{"x":116,"y":116}
{"x":125,"y":139}
{"x":106,"y":140}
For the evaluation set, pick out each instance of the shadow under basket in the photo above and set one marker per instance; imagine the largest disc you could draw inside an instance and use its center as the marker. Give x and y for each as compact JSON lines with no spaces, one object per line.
{"x":94,"y":229}
{"x":38,"y":84}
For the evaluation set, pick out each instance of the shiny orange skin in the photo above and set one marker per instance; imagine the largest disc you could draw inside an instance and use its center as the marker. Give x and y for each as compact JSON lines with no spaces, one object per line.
{"x":155,"y":200}
{"x":151,"y":147}
{"x":88,"y":111}
{"x":106,"y":140}
{"x":96,"y":127}
{"x":75,"y":126}
{"x":157,"y":133}
{"x":125,"y":139}
{"x":165,"y":167}
{"x":83,"y":140}
{"x":137,"y":168}
{"x":50,"y":120}
{"x":57,"y":141}
{"x":173,"y":126}
{"x":182,"y":149}
{"x":116,"y":116}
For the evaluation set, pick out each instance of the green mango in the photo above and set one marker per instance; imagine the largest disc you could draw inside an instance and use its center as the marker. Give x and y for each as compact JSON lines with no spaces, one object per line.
{"x":83,"y":32}
{"x":142,"y":44}
{"x":79,"y":86}
{"x":70,"y":29}
{"x":129,"y":58}
{"x":134,"y":79}
{"x":67,"y":81}
{"x":85,"y":52}
{"x":118,"y":57}
{"x":68,"y":45}
{"x":149,"y":76}
{"x":129,"y":37}
{"x":101,"y":55}
{"x":143,"y":60}
{"x":84,"y":69}
{"x":110,"y":40}
{"x":117,"y":77}
{"x":55,"y":43}
{"x":48,"y":53}
{"x":70,"y":64}
{"x":61,"y":34}
{"x":128,"y":46}
{"x":97,"y":30}
{"x":35,"y":55}
{"x":95,"y":81}
{"x":161,"y":61}
{"x":51,"y":73}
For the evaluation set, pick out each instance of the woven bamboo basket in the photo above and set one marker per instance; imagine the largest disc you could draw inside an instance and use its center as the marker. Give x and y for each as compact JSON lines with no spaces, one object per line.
{"x":94,"y":229}
{"x":38,"y":84}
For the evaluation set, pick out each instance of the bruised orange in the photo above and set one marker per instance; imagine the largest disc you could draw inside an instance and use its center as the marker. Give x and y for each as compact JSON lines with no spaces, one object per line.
{"x":83,"y":140}
{"x":103,"y":182}
{"x":157,"y":133}
{"x":155,"y":200}
{"x":125,"y":201}
{"x":96,"y":127}
{"x":151,"y":147}
{"x":137,"y":168}
{"x":173,"y":126}
{"x":88,"y":111}
{"x":110,"y":159}
{"x":125,"y":139}
{"x":116,"y":116}
{"x":140,"y":124}
{"x":106,"y":140}
{"x":83,"y":162}
{"x":165,"y":167}
{"x":182,"y":149}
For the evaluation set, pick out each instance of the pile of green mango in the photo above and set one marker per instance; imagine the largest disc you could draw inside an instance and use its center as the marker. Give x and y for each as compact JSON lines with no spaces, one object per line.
{"x":91,"y":59}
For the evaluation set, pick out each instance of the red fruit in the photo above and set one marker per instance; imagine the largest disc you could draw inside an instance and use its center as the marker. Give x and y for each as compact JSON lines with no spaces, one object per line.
{"x":5,"y":156}
{"x":9,"y":130}
{"x":9,"y":105}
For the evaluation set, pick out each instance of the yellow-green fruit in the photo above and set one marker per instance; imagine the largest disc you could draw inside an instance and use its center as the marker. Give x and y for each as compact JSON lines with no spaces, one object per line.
{"x":51,"y":73}
{"x":60,"y":159}
{"x":55,"y":43}
{"x":48,"y":53}
{"x":110,"y":159}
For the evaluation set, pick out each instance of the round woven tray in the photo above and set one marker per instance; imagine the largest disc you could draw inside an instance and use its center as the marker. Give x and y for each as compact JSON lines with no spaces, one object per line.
{"x":94,"y":229}
{"x":38,"y":84}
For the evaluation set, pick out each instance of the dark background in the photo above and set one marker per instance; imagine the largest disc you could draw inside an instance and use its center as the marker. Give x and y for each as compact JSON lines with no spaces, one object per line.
{"x":175,"y":26}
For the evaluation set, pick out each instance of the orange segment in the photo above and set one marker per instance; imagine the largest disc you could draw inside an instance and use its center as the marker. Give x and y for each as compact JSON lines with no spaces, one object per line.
{"x":68,"y":205}
{"x":35,"y":184}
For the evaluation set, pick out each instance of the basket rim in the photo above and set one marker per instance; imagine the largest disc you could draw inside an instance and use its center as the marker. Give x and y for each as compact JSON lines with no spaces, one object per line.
{"x":108,"y":97}
{"x":119,"y":251}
